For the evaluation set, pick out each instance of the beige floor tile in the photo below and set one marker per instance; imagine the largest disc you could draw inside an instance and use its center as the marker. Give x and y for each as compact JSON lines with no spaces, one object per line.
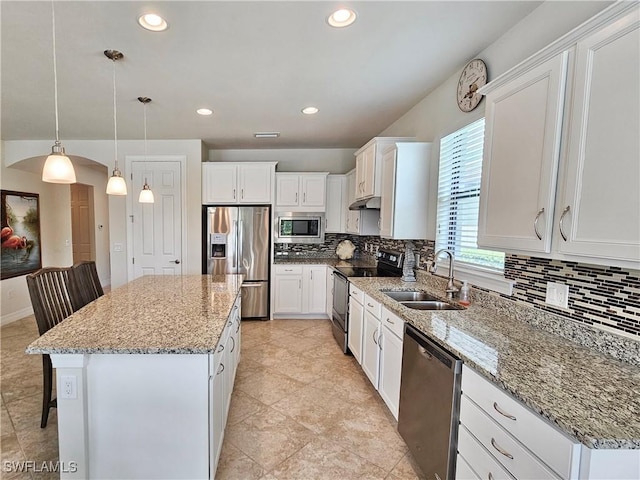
{"x":321,"y":460}
{"x":10,"y":450}
{"x":25,"y":413}
{"x":15,"y":328}
{"x":242,"y":406}
{"x":269,"y":386}
{"x":247,"y":367}
{"x":268,"y":437}
{"x":296,"y":325}
{"x":235,"y":465}
{"x":6,"y":427}
{"x":268,"y":355}
{"x":407,"y":469}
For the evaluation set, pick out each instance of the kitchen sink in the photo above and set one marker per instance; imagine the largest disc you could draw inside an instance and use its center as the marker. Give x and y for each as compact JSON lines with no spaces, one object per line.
{"x":410,"y":296}
{"x":431,"y":305}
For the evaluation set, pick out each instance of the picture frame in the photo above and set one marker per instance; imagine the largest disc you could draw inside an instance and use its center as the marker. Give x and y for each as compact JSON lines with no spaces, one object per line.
{"x":20,"y":251}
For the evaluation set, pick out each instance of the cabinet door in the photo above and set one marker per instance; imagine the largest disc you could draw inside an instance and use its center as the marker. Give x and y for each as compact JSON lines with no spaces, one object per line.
{"x":219,"y":183}
{"x":601,"y":207}
{"x":316,"y":289}
{"x":356,"y":323}
{"x":288,"y":294}
{"x":351,"y":215}
{"x":255,"y":183}
{"x":369,"y":178}
{"x":390,"y":369}
{"x":370,"y":347}
{"x":287,"y":194}
{"x":313,"y":188}
{"x":360,"y":175}
{"x":335,"y":199}
{"x":329,"y":291}
{"x":387,"y":206}
{"x":520,"y":164}
{"x":216,"y":413}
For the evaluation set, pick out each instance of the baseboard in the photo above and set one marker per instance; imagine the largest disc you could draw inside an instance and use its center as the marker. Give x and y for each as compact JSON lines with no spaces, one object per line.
{"x":12,"y":317}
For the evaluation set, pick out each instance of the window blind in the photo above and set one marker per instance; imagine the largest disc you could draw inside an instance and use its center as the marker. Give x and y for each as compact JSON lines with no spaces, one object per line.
{"x":459,"y":197}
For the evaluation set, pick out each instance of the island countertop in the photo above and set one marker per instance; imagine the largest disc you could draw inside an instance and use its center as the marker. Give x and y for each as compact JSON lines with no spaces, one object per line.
{"x":587,"y":394}
{"x":150,"y":315}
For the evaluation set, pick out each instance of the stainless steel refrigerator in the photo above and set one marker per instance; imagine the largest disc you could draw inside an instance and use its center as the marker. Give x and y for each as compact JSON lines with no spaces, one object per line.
{"x":238,"y":240}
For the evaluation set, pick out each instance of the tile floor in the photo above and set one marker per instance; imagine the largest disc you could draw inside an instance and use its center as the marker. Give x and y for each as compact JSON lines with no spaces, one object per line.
{"x":300,"y":409}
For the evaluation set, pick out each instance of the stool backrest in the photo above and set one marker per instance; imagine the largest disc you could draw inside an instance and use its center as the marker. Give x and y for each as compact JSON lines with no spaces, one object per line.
{"x":51,"y":297}
{"x":85,"y":283}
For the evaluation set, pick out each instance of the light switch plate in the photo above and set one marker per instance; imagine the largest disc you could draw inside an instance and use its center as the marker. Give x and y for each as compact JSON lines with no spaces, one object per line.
{"x":557,"y":295}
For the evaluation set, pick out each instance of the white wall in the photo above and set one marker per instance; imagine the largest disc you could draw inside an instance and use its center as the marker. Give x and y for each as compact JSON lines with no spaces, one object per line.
{"x":332,"y":160}
{"x":438,"y":114}
{"x":18,"y":156}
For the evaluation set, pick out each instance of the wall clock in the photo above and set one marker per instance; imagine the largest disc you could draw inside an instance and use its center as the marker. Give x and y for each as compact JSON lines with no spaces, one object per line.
{"x":473,"y":76}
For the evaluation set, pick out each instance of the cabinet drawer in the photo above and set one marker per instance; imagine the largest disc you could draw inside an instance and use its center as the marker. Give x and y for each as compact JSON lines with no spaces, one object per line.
{"x":372,"y":306}
{"x":464,"y":471}
{"x":480,"y":461}
{"x":392,"y":322}
{"x":356,"y":293}
{"x":288,"y":269}
{"x":549,"y":444}
{"x":502,"y":446}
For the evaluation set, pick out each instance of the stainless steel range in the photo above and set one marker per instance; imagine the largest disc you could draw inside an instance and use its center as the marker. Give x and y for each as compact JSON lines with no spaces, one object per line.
{"x":389,"y":265}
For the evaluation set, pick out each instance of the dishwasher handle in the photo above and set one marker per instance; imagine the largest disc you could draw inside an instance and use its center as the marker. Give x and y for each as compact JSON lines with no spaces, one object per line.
{"x":431,"y":351}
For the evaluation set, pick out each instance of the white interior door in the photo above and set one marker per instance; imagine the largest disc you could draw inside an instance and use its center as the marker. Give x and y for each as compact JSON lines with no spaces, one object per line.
{"x":157,"y":227}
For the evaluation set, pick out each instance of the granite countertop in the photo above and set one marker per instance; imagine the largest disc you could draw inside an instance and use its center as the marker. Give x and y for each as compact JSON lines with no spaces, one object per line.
{"x":152,"y":314}
{"x":329,"y":261}
{"x":587,"y":394}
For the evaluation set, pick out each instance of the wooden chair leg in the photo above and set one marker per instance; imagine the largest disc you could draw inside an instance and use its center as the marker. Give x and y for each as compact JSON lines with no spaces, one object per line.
{"x":47,"y":372}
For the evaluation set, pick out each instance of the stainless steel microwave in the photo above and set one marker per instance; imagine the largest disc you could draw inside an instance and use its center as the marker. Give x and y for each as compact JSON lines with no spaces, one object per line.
{"x":299,"y":227}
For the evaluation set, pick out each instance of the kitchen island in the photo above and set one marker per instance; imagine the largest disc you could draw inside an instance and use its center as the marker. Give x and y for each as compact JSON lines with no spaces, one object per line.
{"x":143,"y":377}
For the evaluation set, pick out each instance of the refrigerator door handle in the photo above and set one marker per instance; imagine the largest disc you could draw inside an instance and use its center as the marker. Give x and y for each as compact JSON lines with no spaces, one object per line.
{"x":251,"y":285}
{"x":235,"y":254}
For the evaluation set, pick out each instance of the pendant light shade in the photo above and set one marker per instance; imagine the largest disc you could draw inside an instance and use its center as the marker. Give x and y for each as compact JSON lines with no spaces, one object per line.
{"x":57,"y":168}
{"x":116,"y":184}
{"x":146,"y":195}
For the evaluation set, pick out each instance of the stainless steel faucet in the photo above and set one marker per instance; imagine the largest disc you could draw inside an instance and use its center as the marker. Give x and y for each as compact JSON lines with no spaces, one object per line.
{"x":451,"y":288}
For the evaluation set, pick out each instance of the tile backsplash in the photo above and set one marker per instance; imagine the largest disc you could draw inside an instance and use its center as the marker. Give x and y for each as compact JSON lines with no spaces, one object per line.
{"x":605,"y":297}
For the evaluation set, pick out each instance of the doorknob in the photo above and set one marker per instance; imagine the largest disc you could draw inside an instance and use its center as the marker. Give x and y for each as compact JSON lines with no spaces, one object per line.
{"x":175,"y":261}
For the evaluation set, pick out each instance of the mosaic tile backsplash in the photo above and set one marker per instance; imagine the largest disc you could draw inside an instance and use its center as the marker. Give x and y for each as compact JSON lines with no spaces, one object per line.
{"x":605,"y":297}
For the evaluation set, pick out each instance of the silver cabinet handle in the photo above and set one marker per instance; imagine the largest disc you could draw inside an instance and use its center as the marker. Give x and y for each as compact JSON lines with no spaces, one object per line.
{"x":564,"y":212}
{"x":369,"y":305}
{"x":299,"y":283}
{"x":220,"y":369}
{"x":304,"y":197}
{"x":233,"y":347}
{"x":176,"y":261}
{"x":242,"y":193}
{"x":296,"y":197}
{"x":220,"y":348}
{"x":489,"y":477}
{"x":535,"y":223}
{"x":374,"y":337}
{"x":311,"y":271}
{"x":502,"y":412}
{"x":389,"y":321}
{"x":326,"y":223}
{"x":499,"y":449}
{"x":234,"y":193}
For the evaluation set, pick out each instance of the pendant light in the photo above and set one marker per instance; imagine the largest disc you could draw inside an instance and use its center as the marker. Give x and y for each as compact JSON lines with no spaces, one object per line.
{"x":146,"y":195}
{"x":116,"y":184}
{"x":57,"y":167}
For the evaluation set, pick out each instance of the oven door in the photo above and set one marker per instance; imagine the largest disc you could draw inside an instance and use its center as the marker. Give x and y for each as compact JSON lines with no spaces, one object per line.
{"x":340,"y":308}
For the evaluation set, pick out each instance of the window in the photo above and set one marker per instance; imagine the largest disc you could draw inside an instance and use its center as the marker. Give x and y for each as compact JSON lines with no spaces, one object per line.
{"x":459,"y":198}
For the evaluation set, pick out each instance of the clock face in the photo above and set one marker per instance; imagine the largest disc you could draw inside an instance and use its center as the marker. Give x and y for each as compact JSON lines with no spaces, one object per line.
{"x":472,"y":78}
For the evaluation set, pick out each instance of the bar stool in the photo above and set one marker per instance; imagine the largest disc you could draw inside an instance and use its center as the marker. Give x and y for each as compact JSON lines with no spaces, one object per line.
{"x":85,"y":284}
{"x":49,"y":289}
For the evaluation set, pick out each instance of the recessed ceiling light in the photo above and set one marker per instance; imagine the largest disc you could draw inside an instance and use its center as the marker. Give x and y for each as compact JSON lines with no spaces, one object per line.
{"x":153,"y":22}
{"x":342,"y":18}
{"x":266,"y":134}
{"x":204,"y":111}
{"x":309,"y":110}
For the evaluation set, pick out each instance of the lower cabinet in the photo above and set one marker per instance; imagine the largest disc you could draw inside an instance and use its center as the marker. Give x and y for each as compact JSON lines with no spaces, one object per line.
{"x":300,"y":289}
{"x":356,"y":322}
{"x":371,"y":347}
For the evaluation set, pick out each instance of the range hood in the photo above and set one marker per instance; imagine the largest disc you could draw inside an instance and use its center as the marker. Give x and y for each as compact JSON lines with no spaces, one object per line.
{"x":366,"y":203}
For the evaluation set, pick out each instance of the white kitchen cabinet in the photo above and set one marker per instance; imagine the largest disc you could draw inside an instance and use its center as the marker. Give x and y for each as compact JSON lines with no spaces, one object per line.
{"x":359,"y":222}
{"x":370,"y":348}
{"x":600,"y":206}
{"x":390,"y":344}
{"x":329,"y":290}
{"x":561,"y":176}
{"x":300,"y":289}
{"x":405,"y":196}
{"x":246,"y":182}
{"x":369,"y":166}
{"x":356,"y":322}
{"x":305,"y":192}
{"x":335,"y":212}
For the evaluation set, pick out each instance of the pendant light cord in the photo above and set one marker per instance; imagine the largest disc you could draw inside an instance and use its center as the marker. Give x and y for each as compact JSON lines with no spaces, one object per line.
{"x":55,"y":69}
{"x":145,"y":137}
{"x":115,"y":115}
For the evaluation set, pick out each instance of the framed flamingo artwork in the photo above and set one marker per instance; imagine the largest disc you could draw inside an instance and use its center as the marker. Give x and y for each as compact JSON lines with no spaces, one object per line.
{"x":20,"y":217}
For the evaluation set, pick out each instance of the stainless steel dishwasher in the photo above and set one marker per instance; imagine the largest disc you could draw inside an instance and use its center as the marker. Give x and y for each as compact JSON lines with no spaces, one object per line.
{"x":430,"y":404}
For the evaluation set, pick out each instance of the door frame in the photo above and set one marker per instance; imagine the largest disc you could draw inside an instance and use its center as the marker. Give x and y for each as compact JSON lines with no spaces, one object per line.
{"x":133,"y":197}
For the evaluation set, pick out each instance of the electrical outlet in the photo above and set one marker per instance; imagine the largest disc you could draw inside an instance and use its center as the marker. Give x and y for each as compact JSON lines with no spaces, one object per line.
{"x":557,"y":295}
{"x":69,"y":386}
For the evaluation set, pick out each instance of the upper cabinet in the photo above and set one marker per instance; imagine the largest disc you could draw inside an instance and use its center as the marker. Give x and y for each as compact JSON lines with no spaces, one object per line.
{"x":561,"y":175}
{"x":247,"y":182}
{"x":359,"y":222}
{"x":369,"y":166}
{"x":405,"y":177}
{"x":336,"y":197}
{"x":301,"y":191}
